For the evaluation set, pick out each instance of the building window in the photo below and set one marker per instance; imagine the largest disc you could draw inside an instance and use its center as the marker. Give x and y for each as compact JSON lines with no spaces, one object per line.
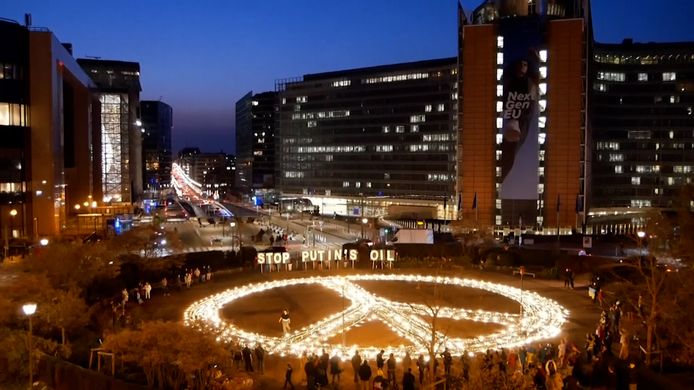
{"x":418,"y":118}
{"x":441,"y":107}
{"x":499,"y":90}
{"x":500,"y":42}
{"x":639,"y":134}
{"x":341,"y":83}
{"x":302,"y":99}
{"x":399,"y":129}
{"x":311,"y":123}
{"x":600,"y":87}
{"x":618,"y":169}
{"x":394,"y":78}
{"x":427,"y":108}
{"x":386,"y":129}
{"x":611,"y":76}
{"x":635,"y":181}
{"x":640,"y":203}
{"x":616,"y":157}
{"x":674,"y":99}
{"x":643,"y":76}
{"x":12,"y":114}
{"x":669,"y":76}
{"x":384,"y":148}
{"x":345,"y":184}
{"x":10,"y":72}
{"x":414,"y":129}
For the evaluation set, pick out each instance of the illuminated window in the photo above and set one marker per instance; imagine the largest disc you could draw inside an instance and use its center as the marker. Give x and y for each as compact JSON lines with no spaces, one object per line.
{"x":427,"y":108}
{"x":600,"y":87}
{"x":618,"y":169}
{"x":543,"y":105}
{"x":499,"y":74}
{"x":341,"y":83}
{"x":543,"y":55}
{"x":394,"y":78}
{"x":636,"y":180}
{"x":414,"y":129}
{"x":499,"y":90}
{"x":418,"y":118}
{"x":345,"y":184}
{"x":302,"y":99}
{"x":674,"y":99}
{"x":357,"y":184}
{"x":616,"y":157}
{"x":440,"y":107}
{"x":543,"y":88}
{"x":368,"y":184}
{"x":611,"y":76}
{"x":541,"y":138}
{"x":311,"y":123}
{"x":640,"y":203}
{"x":543,"y":72}
{"x":12,"y":114}
{"x":499,"y":122}
{"x":639,"y":134}
{"x":400,"y":129}
{"x":500,"y":42}
{"x":643,"y":76}
{"x":386,"y":129}
{"x":499,"y":58}
{"x":669,"y":76}
{"x":542,"y":121}
{"x":384,"y":148}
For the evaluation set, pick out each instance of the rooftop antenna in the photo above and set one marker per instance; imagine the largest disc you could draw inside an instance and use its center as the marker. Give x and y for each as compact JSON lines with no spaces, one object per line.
{"x":27,"y":20}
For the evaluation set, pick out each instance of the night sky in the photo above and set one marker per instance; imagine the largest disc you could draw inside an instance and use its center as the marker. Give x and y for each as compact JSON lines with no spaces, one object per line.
{"x":202,"y":56}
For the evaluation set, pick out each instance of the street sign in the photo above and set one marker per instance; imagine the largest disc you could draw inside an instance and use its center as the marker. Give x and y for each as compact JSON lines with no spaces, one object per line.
{"x":587,"y":241}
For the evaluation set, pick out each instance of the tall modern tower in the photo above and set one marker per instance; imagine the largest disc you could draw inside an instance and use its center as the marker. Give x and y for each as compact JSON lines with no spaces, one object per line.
{"x":522,"y":128}
{"x":157,"y":122}
{"x":255,"y":142}
{"x":118,"y":155}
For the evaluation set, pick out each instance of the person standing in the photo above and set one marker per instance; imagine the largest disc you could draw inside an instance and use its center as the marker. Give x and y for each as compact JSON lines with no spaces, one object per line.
{"x":165,"y":286}
{"x":408,"y":380}
{"x":148,"y":291}
{"x":447,"y":361}
{"x":285,"y":321}
{"x":356,"y":362}
{"x":260,"y":356}
{"x":391,"y":370}
{"x":380,"y":362}
{"x":288,"y":377}
{"x":335,"y":370}
{"x":364,"y":375}
{"x":246,"y":352}
{"x":406,"y":362}
{"x":422,"y":368}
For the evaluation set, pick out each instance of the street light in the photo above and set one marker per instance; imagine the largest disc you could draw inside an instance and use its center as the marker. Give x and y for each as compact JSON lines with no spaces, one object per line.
{"x":364,"y":221}
{"x":29,"y":310}
{"x":13,"y":213}
{"x":43,"y":242}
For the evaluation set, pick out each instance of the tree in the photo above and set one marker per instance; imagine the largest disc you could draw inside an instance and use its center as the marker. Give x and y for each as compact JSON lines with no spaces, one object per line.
{"x":661,"y":294}
{"x":170,"y":354}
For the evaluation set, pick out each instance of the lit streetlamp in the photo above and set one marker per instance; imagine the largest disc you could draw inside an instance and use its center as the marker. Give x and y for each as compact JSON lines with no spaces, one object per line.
{"x":641,"y":235}
{"x":13,"y":213}
{"x":29,"y":310}
{"x":364,"y":221}
{"x":43,"y":242}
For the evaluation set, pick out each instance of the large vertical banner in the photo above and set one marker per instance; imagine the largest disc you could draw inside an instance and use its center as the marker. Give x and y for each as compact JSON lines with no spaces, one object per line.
{"x":522,"y":40}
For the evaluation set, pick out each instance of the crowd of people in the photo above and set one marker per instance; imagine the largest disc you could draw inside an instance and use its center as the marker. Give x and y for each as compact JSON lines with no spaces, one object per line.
{"x":143,"y":291}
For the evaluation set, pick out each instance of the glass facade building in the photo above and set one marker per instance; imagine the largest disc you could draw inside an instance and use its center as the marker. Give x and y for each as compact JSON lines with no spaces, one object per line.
{"x":386,"y":131}
{"x":119,"y":160}
{"x":642,"y":123}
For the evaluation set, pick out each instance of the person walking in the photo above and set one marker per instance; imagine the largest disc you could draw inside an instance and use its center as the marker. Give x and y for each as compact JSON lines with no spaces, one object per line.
{"x":408,"y":380}
{"x":380,"y":362}
{"x":406,"y":362}
{"x":288,"y":377}
{"x":356,"y":362}
{"x":285,"y":321}
{"x":364,"y":375}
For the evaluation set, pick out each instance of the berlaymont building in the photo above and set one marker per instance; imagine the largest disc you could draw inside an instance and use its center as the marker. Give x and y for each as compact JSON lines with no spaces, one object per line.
{"x":532,"y":125}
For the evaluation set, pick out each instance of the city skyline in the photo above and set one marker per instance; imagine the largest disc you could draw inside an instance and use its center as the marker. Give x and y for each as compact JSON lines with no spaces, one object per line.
{"x":229,"y":51}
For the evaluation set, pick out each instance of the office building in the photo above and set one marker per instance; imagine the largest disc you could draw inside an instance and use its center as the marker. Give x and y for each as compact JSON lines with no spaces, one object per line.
{"x":157,"y":122}
{"x":255,"y":143}
{"x":642,"y":123}
{"x":370,"y":141}
{"x":118,"y":155}
{"x":522,"y":130}
{"x":45,"y":118}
